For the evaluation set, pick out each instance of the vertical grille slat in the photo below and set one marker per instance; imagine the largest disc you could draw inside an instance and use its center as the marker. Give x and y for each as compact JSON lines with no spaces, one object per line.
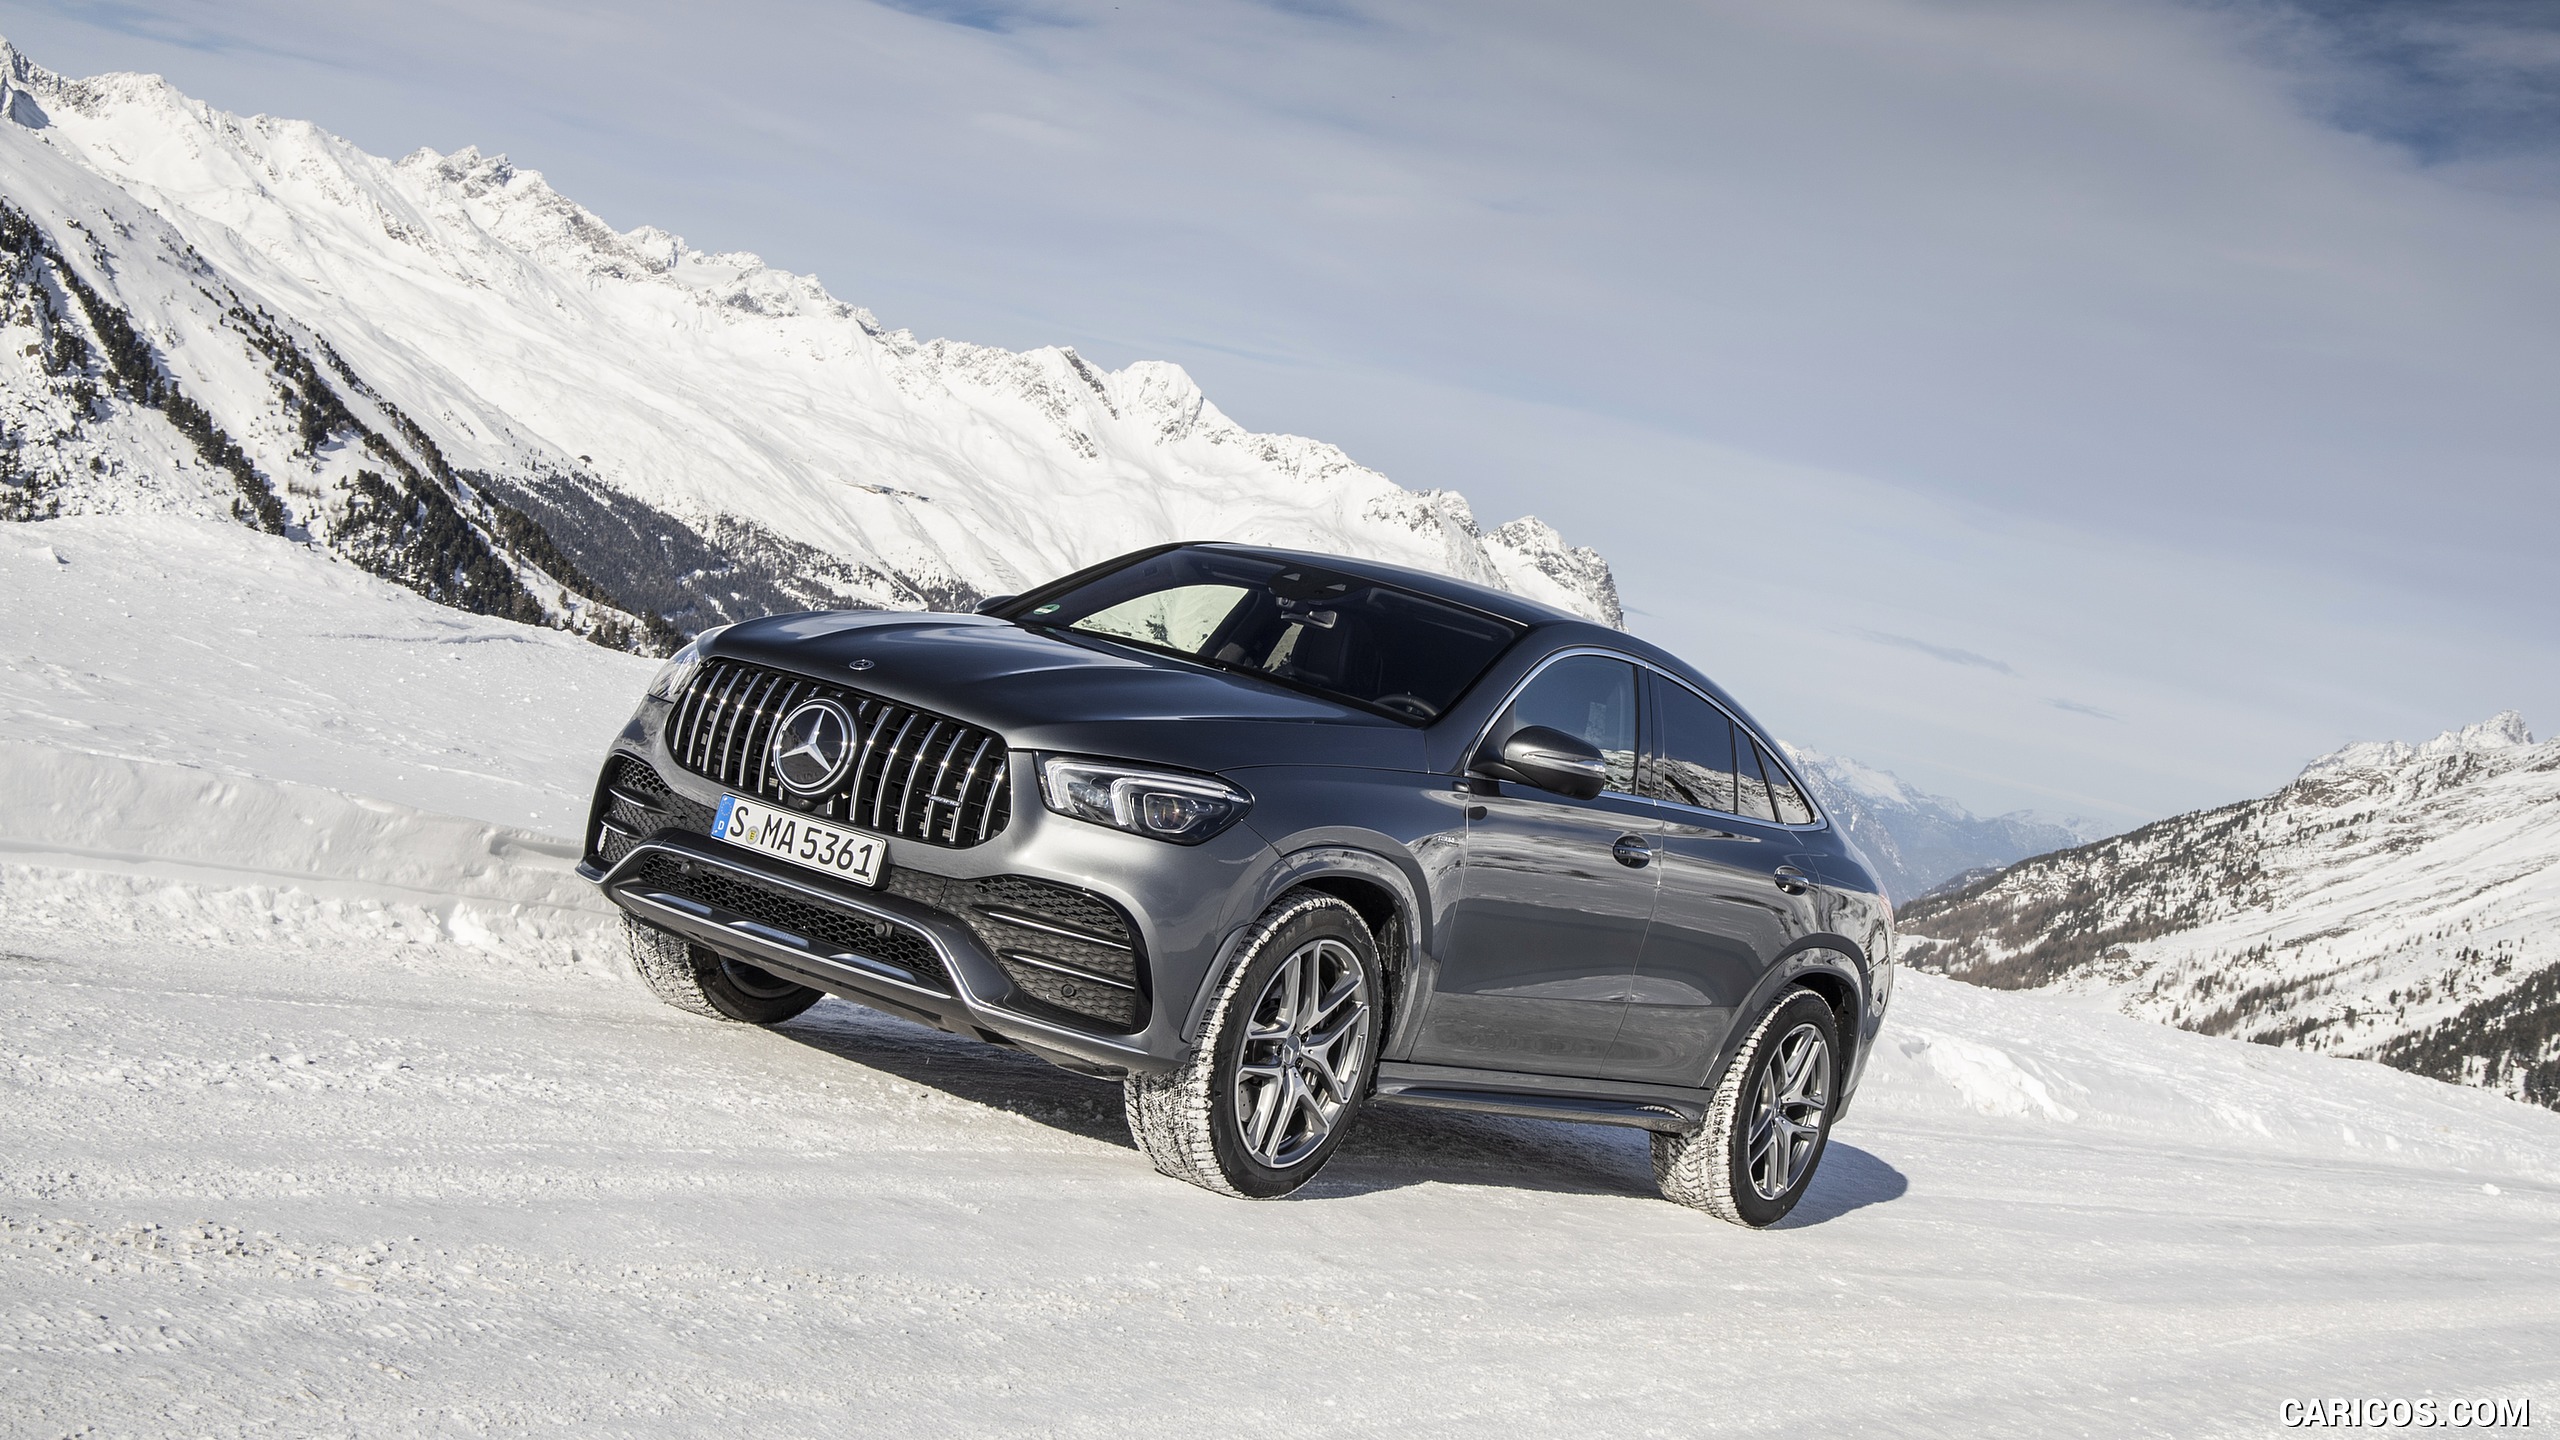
{"x":909,"y":765}
{"x":968,"y":778}
{"x":888,"y":761}
{"x":760,"y":738}
{"x":702,"y":739}
{"x":733,"y":744}
{"x":907,"y":812}
{"x":689,"y":717}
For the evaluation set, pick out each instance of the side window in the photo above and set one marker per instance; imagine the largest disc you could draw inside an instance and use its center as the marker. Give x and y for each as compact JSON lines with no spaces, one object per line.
{"x":1591,"y":696}
{"x":1692,"y":751}
{"x":1793,"y":809}
{"x":1751,"y":791}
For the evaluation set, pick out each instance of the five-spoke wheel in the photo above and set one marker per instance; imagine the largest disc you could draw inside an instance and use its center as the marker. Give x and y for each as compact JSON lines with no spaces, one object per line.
{"x":1305,"y":1039}
{"x":1768,"y":1121}
{"x":1284,"y":1059}
{"x":1788,"y":1107}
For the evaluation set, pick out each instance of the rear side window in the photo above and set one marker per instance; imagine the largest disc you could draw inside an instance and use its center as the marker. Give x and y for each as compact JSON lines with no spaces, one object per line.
{"x":1793,"y":809}
{"x":1751,"y":790}
{"x":1591,"y":696}
{"x":1692,"y":752}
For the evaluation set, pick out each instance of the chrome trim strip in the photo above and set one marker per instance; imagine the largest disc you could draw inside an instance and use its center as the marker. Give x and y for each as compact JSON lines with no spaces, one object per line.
{"x":915,"y":764}
{"x":1070,"y":971}
{"x":1025,"y":922}
{"x":881,"y":795}
{"x":796,"y":949}
{"x":1001,"y":777}
{"x":763,"y":754}
{"x":969,"y":778}
{"x":733,"y":771}
{"x":705,"y":735}
{"x":933,"y":793}
{"x":680,"y":735}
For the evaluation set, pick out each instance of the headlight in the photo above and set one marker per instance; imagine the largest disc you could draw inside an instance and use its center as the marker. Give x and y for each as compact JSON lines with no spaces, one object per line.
{"x":1185,"y":809}
{"x":677,"y":673}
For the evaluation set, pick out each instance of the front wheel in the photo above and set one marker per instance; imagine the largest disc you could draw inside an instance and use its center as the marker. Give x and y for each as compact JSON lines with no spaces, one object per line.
{"x":692,"y":978}
{"x":1769,"y":1121}
{"x":1283,"y":1063}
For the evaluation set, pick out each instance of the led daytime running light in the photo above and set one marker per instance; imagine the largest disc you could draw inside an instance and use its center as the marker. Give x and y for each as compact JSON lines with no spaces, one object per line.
{"x":1182,"y":809}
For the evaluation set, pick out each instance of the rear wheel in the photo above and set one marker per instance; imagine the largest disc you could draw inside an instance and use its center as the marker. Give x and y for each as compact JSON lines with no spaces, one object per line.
{"x":1769,"y":1121}
{"x":1283,"y":1063}
{"x":692,"y":978}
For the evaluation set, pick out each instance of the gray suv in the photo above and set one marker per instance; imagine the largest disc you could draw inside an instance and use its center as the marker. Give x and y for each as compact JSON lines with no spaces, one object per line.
{"x":1266,"y":837}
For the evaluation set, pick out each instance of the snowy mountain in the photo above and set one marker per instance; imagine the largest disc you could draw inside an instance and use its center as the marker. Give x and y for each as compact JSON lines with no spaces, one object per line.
{"x":448,"y":372}
{"x":2397,"y":902}
{"x":445,"y":371}
{"x":1921,"y":841}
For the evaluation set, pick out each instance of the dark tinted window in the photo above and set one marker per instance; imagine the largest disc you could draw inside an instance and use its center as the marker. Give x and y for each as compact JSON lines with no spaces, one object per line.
{"x":1591,"y":696}
{"x":1692,"y":751}
{"x":1751,"y":791}
{"x":1791,"y":804}
{"x":1379,"y":646}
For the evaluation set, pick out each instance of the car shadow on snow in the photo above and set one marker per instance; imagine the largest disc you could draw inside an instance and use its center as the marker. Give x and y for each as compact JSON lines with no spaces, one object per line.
{"x":1391,"y":1148}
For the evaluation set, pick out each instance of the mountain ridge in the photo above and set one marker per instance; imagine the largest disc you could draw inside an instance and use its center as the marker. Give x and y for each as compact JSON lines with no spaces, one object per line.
{"x":449,"y":373}
{"x":2396,"y":902}
{"x":332,"y":312}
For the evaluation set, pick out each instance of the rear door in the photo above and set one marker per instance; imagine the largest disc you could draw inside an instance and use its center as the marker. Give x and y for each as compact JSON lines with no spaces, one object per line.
{"x":1554,"y":895}
{"x":1728,"y":905}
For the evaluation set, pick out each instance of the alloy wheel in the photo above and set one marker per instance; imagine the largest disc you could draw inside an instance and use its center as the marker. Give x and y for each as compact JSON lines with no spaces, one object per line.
{"x":1786,"y":1111}
{"x":1305,"y":1040}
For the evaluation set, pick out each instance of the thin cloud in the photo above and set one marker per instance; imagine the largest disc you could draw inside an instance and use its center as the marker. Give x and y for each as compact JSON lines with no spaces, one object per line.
{"x":1948,"y":653}
{"x":2076,"y":708}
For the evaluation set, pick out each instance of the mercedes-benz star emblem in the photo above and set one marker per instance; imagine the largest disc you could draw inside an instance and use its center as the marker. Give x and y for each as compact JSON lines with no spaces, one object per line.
{"x":812,"y":746}
{"x":860,"y":664}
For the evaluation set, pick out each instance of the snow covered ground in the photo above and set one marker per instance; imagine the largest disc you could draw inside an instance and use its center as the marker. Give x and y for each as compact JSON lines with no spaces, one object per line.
{"x":325,"y":1109}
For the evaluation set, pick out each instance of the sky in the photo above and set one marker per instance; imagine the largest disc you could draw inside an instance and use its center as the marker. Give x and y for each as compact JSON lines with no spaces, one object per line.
{"x":2096,"y":408}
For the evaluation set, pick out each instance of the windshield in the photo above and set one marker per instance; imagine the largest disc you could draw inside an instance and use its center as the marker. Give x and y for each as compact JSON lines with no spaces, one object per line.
{"x":1375,"y":645}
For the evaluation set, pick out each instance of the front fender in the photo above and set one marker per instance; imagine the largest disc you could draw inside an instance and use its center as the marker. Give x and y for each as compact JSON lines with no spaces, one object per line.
{"x":1393,"y":881}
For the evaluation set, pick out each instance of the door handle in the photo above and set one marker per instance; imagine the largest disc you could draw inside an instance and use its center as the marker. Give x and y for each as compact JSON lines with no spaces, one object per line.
{"x":1793,"y":880}
{"x":1633,"y":851}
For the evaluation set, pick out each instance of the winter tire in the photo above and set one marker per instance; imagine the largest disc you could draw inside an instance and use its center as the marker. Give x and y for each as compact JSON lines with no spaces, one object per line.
{"x":692,"y":978}
{"x":1283,"y":1063}
{"x":1769,"y":1121}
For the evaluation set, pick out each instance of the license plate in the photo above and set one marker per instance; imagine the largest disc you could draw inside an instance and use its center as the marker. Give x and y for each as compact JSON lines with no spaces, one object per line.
{"x":789,"y":835}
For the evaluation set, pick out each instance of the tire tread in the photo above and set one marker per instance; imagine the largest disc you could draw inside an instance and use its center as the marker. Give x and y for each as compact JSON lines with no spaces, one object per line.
{"x":1169,"y":1113}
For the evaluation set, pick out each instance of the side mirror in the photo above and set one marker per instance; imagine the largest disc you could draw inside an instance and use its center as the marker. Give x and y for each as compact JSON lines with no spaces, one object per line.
{"x":1552,"y":760}
{"x":989,"y":605}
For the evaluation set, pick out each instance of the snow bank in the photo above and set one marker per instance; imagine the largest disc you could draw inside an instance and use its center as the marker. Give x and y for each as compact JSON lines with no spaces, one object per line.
{"x":98,"y":851}
{"x":2064,"y":1067}
{"x":199,"y":643}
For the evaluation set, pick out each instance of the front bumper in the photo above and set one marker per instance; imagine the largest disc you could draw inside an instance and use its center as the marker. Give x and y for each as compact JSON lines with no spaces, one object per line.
{"x":881,"y":950}
{"x":1004,"y":939}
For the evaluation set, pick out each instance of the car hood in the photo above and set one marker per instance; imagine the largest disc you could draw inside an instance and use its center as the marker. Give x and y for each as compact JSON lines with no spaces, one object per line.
{"x":1043,"y":692}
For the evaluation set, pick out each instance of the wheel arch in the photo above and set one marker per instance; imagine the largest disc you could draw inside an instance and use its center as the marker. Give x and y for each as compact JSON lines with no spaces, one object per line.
{"x":1832,"y":967}
{"x":1376,"y":889}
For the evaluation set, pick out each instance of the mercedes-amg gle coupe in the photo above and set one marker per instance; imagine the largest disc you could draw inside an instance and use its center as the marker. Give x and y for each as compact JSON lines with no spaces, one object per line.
{"x":1267,"y":837}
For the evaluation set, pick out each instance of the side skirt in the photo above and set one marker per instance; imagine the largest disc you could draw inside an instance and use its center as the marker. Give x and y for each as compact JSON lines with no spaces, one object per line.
{"x":1667,"y":1108}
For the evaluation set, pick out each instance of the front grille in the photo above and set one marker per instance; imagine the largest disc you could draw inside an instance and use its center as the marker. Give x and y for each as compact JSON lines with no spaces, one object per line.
{"x":632,"y":803}
{"x":834,"y":931}
{"x":917,"y":775}
{"x":1068,"y":950}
